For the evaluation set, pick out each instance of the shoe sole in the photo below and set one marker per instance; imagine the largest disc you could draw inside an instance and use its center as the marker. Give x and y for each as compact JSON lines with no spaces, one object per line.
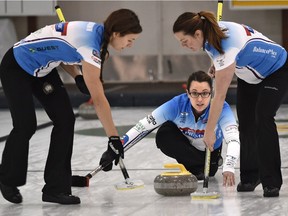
{"x":274,"y":195}
{"x":62,"y":203}
{"x":57,"y":200}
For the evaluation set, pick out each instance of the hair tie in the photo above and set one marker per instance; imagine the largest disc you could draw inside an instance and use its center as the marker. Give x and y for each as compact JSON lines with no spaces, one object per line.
{"x":201,"y":17}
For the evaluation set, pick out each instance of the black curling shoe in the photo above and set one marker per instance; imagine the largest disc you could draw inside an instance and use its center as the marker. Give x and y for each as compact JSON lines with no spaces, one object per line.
{"x":11,"y":193}
{"x":271,"y":191}
{"x":247,"y":187}
{"x":65,"y":199}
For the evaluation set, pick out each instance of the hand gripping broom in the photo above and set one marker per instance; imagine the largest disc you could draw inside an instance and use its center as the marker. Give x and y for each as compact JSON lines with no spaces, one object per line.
{"x":205,"y":194}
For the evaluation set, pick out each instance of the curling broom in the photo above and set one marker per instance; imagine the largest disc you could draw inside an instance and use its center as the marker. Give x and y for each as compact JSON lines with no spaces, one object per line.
{"x":205,"y":195}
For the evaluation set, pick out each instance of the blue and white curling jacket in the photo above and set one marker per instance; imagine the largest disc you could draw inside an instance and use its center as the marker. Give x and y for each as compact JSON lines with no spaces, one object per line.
{"x":179,"y":111}
{"x":256,"y":56}
{"x":68,"y":43}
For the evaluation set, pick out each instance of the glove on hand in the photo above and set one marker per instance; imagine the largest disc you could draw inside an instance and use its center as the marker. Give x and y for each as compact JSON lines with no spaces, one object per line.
{"x":105,"y":159}
{"x":79,"y":80}
{"x":115,"y":150}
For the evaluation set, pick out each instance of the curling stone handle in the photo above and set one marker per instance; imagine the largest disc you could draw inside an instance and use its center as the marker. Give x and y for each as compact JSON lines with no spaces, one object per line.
{"x":177,"y":165}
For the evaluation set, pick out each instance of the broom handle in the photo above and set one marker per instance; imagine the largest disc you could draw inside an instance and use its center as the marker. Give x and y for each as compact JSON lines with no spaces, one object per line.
{"x":219,"y":10}
{"x":124,"y":170}
{"x":206,"y":170}
{"x":208,"y":152}
{"x":59,"y":14}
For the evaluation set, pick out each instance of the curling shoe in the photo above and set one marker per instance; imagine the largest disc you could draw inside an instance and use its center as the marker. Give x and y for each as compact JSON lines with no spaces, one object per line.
{"x":62,"y":198}
{"x":271,"y":191}
{"x":247,"y":187}
{"x":11,"y":193}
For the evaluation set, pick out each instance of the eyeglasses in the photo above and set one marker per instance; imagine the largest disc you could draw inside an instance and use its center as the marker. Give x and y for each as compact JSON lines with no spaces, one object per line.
{"x":195,"y":94}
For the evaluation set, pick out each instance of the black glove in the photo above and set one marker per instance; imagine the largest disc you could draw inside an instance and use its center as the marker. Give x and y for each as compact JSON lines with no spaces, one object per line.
{"x":115,"y":150}
{"x":79,"y":80}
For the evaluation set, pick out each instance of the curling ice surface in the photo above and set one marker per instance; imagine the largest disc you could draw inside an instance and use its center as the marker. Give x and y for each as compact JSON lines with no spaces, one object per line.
{"x":143,"y":161}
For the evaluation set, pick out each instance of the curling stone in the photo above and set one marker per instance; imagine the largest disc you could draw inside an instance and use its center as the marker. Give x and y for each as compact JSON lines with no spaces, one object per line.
{"x":175,"y":183}
{"x":87,"y":111}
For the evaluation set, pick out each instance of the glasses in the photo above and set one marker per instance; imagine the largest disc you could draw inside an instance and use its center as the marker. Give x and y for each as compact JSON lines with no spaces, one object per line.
{"x":195,"y":94}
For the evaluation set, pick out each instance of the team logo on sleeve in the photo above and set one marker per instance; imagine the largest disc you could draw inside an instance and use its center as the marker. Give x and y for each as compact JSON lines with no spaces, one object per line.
{"x":125,"y":139}
{"x":61,"y":27}
{"x":96,"y":57}
{"x":248,"y":30}
{"x":220,"y":60}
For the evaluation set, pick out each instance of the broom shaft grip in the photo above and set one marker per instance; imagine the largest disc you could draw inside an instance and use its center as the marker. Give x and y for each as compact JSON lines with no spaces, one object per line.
{"x":123,"y":169}
{"x":59,"y":13}
{"x":206,"y":168}
{"x":219,"y":10}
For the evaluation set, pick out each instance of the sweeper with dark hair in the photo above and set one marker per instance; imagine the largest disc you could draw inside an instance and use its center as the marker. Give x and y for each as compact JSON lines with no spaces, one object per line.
{"x":29,"y":69}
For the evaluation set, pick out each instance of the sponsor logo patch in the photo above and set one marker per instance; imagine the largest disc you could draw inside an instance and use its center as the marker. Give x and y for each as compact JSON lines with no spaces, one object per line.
{"x":96,"y":59}
{"x":231,"y":127}
{"x":270,"y":52}
{"x":151,"y":120}
{"x":139,"y":127}
{"x":96,"y":56}
{"x":96,"y":53}
{"x":44,"y":48}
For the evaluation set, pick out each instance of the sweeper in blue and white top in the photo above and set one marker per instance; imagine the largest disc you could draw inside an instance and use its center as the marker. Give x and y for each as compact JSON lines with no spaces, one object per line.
{"x":182,"y":121}
{"x":262,"y":69}
{"x":29,"y":69}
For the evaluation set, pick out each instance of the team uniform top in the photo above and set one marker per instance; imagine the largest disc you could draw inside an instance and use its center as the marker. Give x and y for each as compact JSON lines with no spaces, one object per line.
{"x":179,"y":110}
{"x":256,"y":56}
{"x":68,"y":43}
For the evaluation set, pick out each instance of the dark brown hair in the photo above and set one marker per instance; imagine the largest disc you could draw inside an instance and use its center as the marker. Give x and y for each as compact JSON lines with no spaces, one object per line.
{"x":199,"y":76}
{"x":205,"y":21}
{"x":122,"y":21}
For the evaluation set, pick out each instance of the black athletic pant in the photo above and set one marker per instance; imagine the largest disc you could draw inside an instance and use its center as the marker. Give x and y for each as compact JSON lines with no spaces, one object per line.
{"x":19,"y":88}
{"x":257,"y":105}
{"x":171,"y":141}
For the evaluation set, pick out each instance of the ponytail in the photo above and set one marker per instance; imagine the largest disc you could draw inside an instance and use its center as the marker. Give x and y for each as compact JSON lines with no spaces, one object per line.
{"x":205,"y":21}
{"x":122,"y":21}
{"x":104,"y":52}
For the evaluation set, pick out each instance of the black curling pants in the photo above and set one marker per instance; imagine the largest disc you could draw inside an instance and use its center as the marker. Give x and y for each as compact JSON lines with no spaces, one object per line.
{"x":257,"y":105}
{"x":171,"y":141}
{"x":19,"y":88}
